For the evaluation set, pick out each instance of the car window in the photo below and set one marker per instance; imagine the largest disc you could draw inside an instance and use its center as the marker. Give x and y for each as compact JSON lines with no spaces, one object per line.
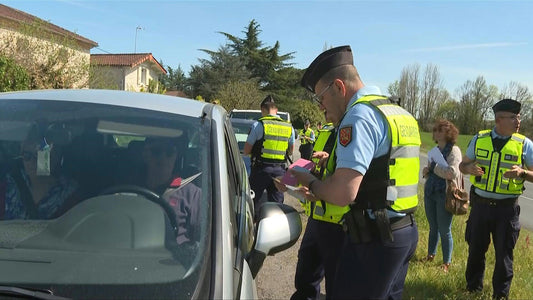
{"x":102,"y":195}
{"x":249,"y":115}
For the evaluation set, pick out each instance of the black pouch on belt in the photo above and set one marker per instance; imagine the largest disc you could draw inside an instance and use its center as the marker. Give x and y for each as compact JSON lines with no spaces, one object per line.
{"x":357,"y":225}
{"x":383,"y":225}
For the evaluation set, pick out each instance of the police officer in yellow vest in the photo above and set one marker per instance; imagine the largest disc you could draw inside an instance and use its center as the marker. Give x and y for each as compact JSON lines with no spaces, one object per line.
{"x":307,"y":140}
{"x":269,"y":141}
{"x":374,"y":169}
{"x":321,"y":244}
{"x":498,"y":162}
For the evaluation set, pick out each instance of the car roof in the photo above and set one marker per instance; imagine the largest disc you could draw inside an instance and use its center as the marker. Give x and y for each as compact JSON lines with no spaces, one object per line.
{"x":157,"y":102}
{"x":242,"y":121}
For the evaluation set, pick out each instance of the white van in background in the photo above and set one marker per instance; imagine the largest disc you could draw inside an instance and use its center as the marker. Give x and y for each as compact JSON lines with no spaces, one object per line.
{"x":255,"y":114}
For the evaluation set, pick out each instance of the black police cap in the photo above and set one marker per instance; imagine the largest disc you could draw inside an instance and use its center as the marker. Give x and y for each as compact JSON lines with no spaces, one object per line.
{"x":268,"y":99}
{"x":326,"y":61}
{"x":508,"y":105}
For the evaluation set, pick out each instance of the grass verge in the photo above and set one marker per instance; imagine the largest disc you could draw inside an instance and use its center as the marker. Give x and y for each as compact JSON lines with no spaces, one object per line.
{"x":426,"y":280}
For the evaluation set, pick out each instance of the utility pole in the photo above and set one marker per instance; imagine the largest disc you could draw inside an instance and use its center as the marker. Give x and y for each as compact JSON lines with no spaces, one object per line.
{"x":136,"y":30}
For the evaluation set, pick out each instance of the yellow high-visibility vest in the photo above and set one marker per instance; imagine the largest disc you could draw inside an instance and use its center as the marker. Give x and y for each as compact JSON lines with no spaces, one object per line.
{"x":321,"y":210}
{"x":276,"y":135}
{"x":307,"y":133}
{"x":496,"y":163}
{"x":393,"y":179}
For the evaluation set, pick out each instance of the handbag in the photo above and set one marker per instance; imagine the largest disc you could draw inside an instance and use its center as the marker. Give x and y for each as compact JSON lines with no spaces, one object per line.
{"x":457,"y":199}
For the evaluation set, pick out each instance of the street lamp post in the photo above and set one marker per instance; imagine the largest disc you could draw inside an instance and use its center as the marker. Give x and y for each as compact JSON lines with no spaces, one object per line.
{"x":136,"y":30}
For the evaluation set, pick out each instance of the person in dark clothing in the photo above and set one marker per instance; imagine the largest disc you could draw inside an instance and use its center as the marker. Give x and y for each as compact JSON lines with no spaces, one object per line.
{"x":159,"y":156}
{"x":498,"y":161}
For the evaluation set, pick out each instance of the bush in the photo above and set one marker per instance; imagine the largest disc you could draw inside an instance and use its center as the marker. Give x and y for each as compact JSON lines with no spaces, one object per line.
{"x":12,"y":76}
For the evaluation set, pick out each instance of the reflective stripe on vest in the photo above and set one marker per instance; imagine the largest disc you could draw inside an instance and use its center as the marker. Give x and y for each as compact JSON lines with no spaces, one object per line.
{"x":323,"y":211}
{"x":404,"y":161}
{"x":276,"y":135}
{"x":495,"y":164}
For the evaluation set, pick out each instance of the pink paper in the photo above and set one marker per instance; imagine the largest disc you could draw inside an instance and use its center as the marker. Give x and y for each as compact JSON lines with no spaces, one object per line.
{"x":301,"y":164}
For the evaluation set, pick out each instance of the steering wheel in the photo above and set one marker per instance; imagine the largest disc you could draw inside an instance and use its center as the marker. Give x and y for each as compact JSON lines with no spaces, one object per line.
{"x":148,"y":194}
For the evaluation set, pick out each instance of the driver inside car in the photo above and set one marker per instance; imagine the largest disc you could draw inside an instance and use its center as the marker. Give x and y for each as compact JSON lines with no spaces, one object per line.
{"x":160,"y":176}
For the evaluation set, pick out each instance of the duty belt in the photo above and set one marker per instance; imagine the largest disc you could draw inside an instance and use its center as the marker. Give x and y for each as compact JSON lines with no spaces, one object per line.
{"x":494,"y":202}
{"x":260,"y":164}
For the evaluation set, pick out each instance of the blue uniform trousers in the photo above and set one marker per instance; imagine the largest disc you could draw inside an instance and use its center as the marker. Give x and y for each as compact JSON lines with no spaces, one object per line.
{"x":261,"y":179}
{"x":502,"y":222}
{"x":375,"y":270}
{"x":317,"y":258}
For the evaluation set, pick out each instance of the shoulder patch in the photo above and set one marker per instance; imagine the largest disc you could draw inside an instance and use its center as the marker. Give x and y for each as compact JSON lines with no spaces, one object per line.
{"x":345,"y":135}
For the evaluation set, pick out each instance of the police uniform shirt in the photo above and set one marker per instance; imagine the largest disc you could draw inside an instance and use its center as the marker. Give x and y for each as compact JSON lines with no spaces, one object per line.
{"x":312,"y":136}
{"x":527,"y":155}
{"x":365,"y":144}
{"x":256,"y":133}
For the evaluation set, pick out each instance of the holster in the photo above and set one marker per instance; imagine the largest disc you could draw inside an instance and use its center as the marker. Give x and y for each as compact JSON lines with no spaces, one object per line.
{"x":357,"y":225}
{"x":383,"y":225}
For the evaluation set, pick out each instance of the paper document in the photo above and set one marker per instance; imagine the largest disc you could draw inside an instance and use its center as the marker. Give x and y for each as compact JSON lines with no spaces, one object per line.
{"x":292,"y":190}
{"x":434,"y":155}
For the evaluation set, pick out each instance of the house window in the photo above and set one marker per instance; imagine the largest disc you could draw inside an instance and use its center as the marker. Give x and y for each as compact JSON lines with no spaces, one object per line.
{"x":143,"y":76}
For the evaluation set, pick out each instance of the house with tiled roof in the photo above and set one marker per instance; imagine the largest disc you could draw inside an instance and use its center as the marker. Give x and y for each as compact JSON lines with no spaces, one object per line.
{"x":127,"y":71}
{"x":31,"y":42}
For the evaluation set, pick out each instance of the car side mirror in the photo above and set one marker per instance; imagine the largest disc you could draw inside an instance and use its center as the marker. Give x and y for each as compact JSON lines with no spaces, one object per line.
{"x":278,"y":228}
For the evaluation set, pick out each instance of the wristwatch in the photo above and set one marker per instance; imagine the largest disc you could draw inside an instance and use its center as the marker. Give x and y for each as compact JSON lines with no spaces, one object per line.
{"x":523,"y":175}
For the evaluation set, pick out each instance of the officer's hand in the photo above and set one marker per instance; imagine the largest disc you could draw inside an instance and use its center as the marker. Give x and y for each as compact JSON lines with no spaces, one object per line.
{"x":514,"y":172}
{"x":280,"y":186}
{"x":425,"y":172}
{"x":322,"y":157}
{"x":306,"y":193}
{"x":475,"y":170}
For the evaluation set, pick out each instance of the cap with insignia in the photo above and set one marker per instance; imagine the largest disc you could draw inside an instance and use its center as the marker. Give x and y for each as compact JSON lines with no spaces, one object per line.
{"x":508,"y":105}
{"x":268,"y":99}
{"x":326,"y":61}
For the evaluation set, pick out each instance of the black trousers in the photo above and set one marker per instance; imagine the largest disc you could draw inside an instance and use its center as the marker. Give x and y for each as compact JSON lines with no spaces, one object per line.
{"x":317,"y":258}
{"x":306,"y":151}
{"x":501,"y":221}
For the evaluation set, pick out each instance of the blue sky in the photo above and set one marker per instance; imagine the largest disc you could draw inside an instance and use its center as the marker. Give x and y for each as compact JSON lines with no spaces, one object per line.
{"x":465,"y":39}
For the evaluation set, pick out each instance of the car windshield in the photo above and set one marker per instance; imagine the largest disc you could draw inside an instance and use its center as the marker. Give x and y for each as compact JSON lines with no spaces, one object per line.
{"x":119,"y":192}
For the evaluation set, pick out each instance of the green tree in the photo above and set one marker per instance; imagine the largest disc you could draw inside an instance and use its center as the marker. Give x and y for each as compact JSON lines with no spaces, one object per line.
{"x":12,"y":76}
{"x":305,"y":110}
{"x":476,"y":99}
{"x":222,"y":67}
{"x":242,"y":94}
{"x":408,"y":89}
{"x":174,"y":80}
{"x":101,"y":77}
{"x":262,"y":62}
{"x":53,"y":62}
{"x":156,"y":87}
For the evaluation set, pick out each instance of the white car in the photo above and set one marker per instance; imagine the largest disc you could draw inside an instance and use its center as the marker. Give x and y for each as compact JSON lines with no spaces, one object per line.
{"x":103,"y":230}
{"x":255,"y":114}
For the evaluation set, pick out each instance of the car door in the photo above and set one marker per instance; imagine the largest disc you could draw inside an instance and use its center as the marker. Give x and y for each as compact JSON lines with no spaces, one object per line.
{"x":242,"y":208}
